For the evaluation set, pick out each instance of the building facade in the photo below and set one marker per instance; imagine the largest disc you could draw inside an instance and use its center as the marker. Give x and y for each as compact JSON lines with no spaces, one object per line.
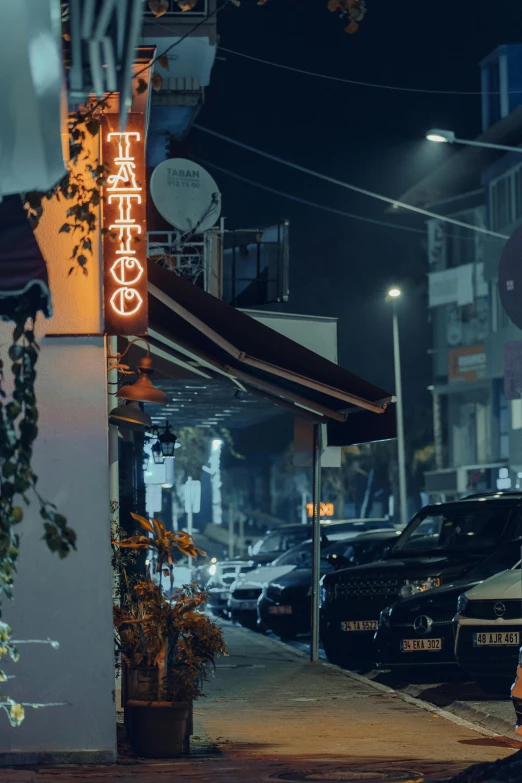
{"x":477,"y":405}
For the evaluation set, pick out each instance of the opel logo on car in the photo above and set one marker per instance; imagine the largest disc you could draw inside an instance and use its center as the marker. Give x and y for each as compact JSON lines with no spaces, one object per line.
{"x":422,"y":624}
{"x":499,"y":609}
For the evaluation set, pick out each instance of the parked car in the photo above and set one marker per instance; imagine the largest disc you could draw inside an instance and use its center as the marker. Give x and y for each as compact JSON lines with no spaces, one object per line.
{"x":224,"y":575}
{"x":285,"y":603}
{"x":440,"y":545}
{"x":418,"y":631}
{"x":242,"y":604}
{"x":488,"y":630}
{"x":274,"y":543}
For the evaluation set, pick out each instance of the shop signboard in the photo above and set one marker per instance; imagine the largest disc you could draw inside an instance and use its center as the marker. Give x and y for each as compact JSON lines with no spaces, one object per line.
{"x":467,"y":364}
{"x":124,"y":225}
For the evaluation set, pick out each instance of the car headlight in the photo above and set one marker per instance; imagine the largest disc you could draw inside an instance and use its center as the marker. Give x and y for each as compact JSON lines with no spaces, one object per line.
{"x":412,"y":586}
{"x":462,"y":604}
{"x":212,"y":569}
{"x":385,"y":617}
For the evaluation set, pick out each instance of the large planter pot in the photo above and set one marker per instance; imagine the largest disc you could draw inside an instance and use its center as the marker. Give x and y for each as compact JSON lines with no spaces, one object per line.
{"x":158,"y":729}
{"x":138,"y":685}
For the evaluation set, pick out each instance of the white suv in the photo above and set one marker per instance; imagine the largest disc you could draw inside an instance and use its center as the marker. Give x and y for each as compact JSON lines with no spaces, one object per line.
{"x":489,"y":630}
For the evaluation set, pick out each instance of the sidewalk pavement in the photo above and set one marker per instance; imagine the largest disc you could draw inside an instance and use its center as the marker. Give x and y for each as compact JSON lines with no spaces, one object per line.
{"x":271,"y":715}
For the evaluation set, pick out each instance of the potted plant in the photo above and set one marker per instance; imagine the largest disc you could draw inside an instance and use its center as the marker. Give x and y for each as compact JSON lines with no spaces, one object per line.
{"x":166,"y":643}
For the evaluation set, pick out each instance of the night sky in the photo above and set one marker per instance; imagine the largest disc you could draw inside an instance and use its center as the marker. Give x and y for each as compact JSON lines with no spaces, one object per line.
{"x":369,"y":137}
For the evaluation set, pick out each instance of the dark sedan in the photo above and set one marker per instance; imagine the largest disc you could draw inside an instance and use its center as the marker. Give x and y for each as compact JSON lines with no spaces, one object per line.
{"x":284,"y":606}
{"x":419,"y":630}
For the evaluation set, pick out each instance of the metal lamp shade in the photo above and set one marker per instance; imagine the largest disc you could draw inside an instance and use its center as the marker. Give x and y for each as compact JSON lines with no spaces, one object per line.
{"x":130,"y":417}
{"x":143,"y":390}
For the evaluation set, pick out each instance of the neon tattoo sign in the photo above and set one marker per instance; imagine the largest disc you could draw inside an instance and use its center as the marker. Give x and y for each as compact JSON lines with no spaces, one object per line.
{"x":124,"y":221}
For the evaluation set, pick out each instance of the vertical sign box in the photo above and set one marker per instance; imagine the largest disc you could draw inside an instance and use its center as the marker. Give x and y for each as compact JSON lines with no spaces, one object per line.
{"x":124,"y":223}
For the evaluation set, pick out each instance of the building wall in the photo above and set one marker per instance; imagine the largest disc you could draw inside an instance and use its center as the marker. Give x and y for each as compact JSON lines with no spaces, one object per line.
{"x":70,"y":600}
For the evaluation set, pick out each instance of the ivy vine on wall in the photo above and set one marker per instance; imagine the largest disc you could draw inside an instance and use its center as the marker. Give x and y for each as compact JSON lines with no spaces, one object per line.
{"x":81,"y":186}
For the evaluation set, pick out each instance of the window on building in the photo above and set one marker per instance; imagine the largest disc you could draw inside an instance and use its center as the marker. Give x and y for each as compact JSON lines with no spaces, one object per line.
{"x":503,"y":425}
{"x":516,"y":414}
{"x":505,"y":199}
{"x":469,"y":419}
{"x":461,"y":242}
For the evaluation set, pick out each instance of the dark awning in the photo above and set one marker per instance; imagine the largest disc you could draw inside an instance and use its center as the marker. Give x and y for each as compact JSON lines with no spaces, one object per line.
{"x":189,"y":320}
{"x":23,"y":271}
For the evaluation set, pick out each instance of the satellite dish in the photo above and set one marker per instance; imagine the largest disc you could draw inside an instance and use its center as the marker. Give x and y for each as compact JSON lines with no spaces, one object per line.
{"x":510,"y":278}
{"x":185,"y":195}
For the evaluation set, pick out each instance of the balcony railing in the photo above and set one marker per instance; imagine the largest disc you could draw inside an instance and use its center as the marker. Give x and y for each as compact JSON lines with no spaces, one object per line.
{"x":200,"y":9}
{"x":187,"y":259}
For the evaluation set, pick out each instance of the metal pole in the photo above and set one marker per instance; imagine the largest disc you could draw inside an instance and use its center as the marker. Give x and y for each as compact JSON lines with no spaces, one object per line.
{"x":231,"y":532}
{"x":316,"y":543}
{"x":403,"y":496}
{"x":241,"y":535}
{"x":112,"y":402}
{"x":189,"y":513}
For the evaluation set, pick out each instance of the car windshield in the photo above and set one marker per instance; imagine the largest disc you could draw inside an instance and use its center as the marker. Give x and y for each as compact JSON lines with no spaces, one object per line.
{"x":301,"y":556}
{"x":357,"y":526}
{"x":453,"y":527}
{"x":501,"y":560}
{"x":279,"y":541}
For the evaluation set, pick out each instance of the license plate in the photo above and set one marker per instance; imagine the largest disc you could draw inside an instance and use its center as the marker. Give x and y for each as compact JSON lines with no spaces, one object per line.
{"x":496,"y":639}
{"x":279,"y":610}
{"x":416,"y":645}
{"x":359,"y":625}
{"x":246,"y":605}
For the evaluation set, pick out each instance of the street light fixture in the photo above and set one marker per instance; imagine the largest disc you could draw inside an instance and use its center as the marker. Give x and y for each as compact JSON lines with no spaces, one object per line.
{"x":167,"y":441}
{"x":157,"y":454}
{"x":448,"y":137}
{"x":393,"y":295}
{"x":441,"y":136}
{"x":143,"y":390}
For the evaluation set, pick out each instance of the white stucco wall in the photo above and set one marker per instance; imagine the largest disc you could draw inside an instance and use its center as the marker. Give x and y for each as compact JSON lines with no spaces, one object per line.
{"x":66,"y":600}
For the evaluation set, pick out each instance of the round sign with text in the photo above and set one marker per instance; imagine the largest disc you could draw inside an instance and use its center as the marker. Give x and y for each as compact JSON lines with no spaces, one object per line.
{"x":510,"y":277}
{"x":185,"y":195}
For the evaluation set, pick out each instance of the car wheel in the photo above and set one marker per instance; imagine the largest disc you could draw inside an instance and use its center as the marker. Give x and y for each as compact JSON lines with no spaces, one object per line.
{"x":495,"y":685}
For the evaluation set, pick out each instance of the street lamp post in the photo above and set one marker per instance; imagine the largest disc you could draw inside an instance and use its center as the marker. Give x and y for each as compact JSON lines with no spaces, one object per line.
{"x":393,"y":295}
{"x":448,"y":137}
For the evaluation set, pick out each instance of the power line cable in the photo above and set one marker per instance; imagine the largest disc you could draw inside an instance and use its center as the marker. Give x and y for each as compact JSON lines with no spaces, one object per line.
{"x":363,"y":191}
{"x":341,"y":79}
{"x":308,"y":203}
{"x":355,"y":81}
